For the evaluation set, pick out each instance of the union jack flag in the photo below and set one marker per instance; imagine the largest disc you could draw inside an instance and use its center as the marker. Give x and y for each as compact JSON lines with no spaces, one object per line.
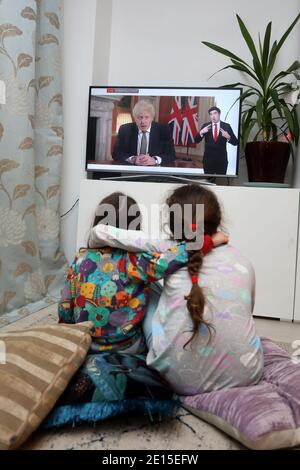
{"x":175,"y":119}
{"x":189,"y":126}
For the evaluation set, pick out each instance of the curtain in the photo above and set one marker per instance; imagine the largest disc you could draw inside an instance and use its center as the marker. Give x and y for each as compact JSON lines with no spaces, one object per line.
{"x":31,"y":148}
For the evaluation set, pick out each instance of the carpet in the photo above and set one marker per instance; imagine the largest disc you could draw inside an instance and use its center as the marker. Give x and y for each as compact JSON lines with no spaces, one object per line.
{"x":49,"y":315}
{"x":183,"y":431}
{"x":42,"y":317}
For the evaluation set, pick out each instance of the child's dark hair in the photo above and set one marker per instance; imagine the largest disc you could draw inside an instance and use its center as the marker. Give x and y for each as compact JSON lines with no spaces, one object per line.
{"x":126,"y":209}
{"x":194,"y":194}
{"x":126,"y":212}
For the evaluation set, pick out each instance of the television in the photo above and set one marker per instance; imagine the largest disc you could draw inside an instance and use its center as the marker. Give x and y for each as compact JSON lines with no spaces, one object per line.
{"x":191,"y":132}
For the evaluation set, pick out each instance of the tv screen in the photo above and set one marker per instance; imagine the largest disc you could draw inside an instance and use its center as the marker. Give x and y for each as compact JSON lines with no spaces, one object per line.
{"x":164,"y":131}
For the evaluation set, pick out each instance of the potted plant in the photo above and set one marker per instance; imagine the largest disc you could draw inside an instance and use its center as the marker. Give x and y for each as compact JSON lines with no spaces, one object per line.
{"x":269,"y":126}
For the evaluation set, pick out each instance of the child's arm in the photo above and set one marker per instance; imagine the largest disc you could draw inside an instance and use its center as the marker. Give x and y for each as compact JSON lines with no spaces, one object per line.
{"x":66,"y":303}
{"x":128,"y":240}
{"x":136,"y":240}
{"x":152,"y":266}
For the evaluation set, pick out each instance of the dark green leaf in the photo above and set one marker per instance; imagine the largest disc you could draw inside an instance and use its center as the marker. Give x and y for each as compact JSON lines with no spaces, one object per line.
{"x":277,"y":104}
{"x":271,"y":62}
{"x":248,"y":39}
{"x":292,"y":68}
{"x":296,"y":126}
{"x":244,"y":68}
{"x":259,"y":110}
{"x":223,"y":51}
{"x":259,"y":72}
{"x":260,"y":46}
{"x":289,"y":118}
{"x":243,"y":96}
{"x":283,"y":39}
{"x":266,"y":47}
{"x":274,"y":131}
{"x":246,"y":131}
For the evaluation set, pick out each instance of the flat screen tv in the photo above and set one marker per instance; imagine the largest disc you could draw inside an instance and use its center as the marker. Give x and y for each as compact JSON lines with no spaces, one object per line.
{"x":165,"y":131}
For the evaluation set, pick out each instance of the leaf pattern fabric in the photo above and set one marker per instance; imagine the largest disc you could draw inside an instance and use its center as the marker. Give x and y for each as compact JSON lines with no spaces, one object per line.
{"x":31,"y":148}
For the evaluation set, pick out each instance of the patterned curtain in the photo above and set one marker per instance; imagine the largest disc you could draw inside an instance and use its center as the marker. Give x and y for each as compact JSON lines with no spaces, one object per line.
{"x":31,"y":147}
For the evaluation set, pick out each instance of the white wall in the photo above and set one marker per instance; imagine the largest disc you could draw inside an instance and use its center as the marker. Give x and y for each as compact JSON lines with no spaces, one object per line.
{"x":102,"y":52}
{"x":78,"y":61}
{"x":157,"y":42}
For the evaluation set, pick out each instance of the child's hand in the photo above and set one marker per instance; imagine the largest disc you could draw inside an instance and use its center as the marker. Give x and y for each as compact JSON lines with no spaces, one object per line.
{"x":219,"y":238}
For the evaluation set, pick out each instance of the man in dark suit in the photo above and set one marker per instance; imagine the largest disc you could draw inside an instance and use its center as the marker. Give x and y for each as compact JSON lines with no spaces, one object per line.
{"x":216,"y":134}
{"x":145,"y":142}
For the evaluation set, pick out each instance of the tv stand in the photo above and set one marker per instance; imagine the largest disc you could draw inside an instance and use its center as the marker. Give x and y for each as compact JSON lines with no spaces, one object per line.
{"x":160,"y":179}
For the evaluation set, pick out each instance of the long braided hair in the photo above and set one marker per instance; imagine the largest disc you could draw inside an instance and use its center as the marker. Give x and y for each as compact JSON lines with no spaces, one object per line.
{"x":194,"y":194}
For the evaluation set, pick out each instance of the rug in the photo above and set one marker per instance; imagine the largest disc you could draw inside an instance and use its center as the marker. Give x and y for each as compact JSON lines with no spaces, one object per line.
{"x":49,"y":315}
{"x":182,"y":431}
{"x":41,"y":317}
{"x":22,"y":313}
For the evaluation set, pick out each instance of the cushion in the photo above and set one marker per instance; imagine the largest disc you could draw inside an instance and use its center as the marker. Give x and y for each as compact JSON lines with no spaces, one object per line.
{"x":36,"y":365}
{"x":263,"y":416}
{"x":111,"y":384}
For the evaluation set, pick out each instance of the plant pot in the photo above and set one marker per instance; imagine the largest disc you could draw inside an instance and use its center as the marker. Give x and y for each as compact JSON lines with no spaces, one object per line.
{"x":267,"y":161}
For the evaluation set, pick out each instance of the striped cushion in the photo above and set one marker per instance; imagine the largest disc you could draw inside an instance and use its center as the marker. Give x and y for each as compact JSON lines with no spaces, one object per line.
{"x":35,"y":368}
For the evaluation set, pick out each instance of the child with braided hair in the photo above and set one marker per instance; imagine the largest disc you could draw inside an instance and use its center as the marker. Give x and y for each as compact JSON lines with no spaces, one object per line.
{"x":199,"y":328}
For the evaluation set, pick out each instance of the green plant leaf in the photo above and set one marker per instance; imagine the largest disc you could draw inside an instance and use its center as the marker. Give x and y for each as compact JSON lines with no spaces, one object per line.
{"x":246,"y":131}
{"x":264,"y":110}
{"x":277,"y":46}
{"x":274,"y":131}
{"x":243,"y":68}
{"x":237,"y":84}
{"x":292,"y":68}
{"x":259,"y":110}
{"x":247,"y":93}
{"x":251,"y":46}
{"x":289,"y":117}
{"x":248,"y":39}
{"x":266,"y":46}
{"x":223,"y":51}
{"x":277,"y":104}
{"x":259,"y":72}
{"x":296,"y":129}
{"x":285,"y":35}
{"x":271,"y":62}
{"x":260,"y":46}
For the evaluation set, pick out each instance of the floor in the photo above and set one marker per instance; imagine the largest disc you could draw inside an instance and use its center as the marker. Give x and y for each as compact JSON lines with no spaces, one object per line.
{"x":184,"y":431}
{"x":278,"y":330}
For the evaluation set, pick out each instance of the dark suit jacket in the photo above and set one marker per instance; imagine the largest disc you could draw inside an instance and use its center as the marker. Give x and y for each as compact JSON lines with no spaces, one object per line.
{"x":160,"y":142}
{"x":215,"y":153}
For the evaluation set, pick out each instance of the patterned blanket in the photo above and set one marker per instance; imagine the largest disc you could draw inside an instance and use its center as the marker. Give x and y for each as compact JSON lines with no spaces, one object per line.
{"x":109,"y":384}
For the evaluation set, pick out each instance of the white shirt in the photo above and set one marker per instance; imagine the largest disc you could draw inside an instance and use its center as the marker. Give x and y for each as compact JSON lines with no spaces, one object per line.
{"x":140,"y":134}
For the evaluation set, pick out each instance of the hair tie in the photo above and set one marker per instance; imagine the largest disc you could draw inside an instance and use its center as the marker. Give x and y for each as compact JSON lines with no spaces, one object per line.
{"x":193,"y":226}
{"x":194,"y":278}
